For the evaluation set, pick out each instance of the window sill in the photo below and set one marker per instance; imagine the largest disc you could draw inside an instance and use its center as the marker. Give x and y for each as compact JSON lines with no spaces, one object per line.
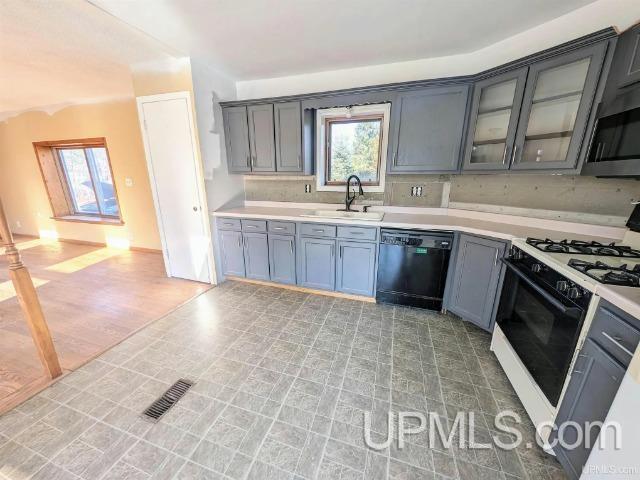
{"x":89,"y":219}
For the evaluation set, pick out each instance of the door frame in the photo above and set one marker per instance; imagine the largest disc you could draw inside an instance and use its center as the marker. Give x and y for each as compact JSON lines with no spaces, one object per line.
{"x":199,"y":171}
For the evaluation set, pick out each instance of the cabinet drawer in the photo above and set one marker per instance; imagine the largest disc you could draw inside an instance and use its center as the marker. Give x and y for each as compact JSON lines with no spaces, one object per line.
{"x":254,"y":225}
{"x":317,"y":230}
{"x":357,"y":233}
{"x":282,"y":228}
{"x":229,"y":223}
{"x":611,"y":329}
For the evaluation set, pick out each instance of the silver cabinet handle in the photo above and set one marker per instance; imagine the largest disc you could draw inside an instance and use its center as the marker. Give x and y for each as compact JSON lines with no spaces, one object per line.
{"x":318,"y":230}
{"x":504,"y":154}
{"x":333,"y":250}
{"x":513,"y":156}
{"x":291,"y":245}
{"x":248,"y":161}
{"x":239,"y":240}
{"x":340,"y":252}
{"x":354,"y":232}
{"x":495,"y":260}
{"x":616,"y":341}
{"x":278,"y":228}
{"x":395,"y":157}
{"x":251,"y":226}
{"x":253,"y":163}
{"x":228,"y":224}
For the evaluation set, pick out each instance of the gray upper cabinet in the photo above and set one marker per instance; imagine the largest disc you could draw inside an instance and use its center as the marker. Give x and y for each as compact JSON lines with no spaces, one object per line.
{"x":356,"y":267}
{"x":594,"y":383}
{"x":317,"y":263}
{"x":232,"y":253}
{"x":557,"y":102}
{"x":428,"y":129}
{"x":236,"y":135}
{"x":494,"y":114}
{"x":256,"y":255}
{"x":288,"y":137}
{"x":261,"y":138}
{"x":282,"y":258}
{"x":476,"y":277}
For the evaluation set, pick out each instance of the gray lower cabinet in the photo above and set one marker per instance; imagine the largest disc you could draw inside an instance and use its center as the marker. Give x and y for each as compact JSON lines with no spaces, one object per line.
{"x":282,"y":258}
{"x":232,"y":253}
{"x":594,"y":383}
{"x":317,"y":263}
{"x":261,"y":138}
{"x":236,"y":137}
{"x":256,"y":255}
{"x":356,"y":267}
{"x":428,"y":129}
{"x":288,"y":131}
{"x":476,"y":277}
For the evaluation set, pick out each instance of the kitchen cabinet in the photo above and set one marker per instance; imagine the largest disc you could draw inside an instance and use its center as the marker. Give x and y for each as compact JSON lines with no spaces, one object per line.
{"x":356,"y":267}
{"x":476,"y":277}
{"x":494,"y":114}
{"x":236,"y":136}
{"x":282,"y":258}
{"x":256,"y":255}
{"x":261,"y":138}
{"x":288,"y":137}
{"x":231,"y":249}
{"x":555,"y":110}
{"x":630,"y":45}
{"x":428,"y":129}
{"x":594,"y":383}
{"x":317,"y":263}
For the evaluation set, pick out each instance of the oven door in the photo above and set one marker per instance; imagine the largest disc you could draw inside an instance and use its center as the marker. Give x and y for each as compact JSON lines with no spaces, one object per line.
{"x":541,"y":326}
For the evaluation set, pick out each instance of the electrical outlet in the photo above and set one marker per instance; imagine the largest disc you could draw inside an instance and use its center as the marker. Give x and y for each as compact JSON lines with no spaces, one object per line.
{"x":416,"y":191}
{"x":128,"y":182}
{"x":18,"y":224}
{"x":307,"y":188}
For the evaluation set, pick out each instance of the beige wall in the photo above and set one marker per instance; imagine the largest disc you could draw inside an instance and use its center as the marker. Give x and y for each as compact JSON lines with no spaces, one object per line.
{"x":23,"y":191}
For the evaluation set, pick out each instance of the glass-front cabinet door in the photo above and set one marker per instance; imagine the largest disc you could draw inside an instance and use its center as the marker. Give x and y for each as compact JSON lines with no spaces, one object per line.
{"x":494,"y":119}
{"x":555,"y":110}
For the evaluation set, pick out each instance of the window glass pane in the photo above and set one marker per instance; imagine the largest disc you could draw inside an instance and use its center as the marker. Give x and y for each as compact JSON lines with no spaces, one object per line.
{"x":79,"y":180}
{"x":355,"y":150}
{"x":104,"y":182}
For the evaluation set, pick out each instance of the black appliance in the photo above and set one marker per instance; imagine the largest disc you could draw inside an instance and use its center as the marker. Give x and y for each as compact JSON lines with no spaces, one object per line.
{"x":608,"y":274}
{"x":541,"y":313}
{"x":634,"y":220}
{"x":412,"y":267}
{"x":578,"y":247}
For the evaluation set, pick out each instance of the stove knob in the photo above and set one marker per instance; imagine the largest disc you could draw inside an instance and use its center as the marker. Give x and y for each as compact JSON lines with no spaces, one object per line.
{"x":562,"y":285}
{"x":537,"y":268}
{"x":574,"y":292}
{"x":516,"y":254}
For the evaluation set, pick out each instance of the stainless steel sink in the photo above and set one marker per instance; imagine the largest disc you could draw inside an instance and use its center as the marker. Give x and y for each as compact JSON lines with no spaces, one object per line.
{"x":369,"y":216}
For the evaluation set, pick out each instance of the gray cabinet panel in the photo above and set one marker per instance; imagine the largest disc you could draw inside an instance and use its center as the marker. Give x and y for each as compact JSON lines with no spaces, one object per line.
{"x":256,"y":255}
{"x":261,"y":138}
{"x":317,"y":262}
{"x":594,"y":383}
{"x":617,"y":332}
{"x":428,"y":129}
{"x":555,"y":110}
{"x":229,"y":223}
{"x":288,"y":131}
{"x":476,"y":277}
{"x":236,"y":137}
{"x":356,"y":267}
{"x":232,"y":253}
{"x":282,"y":258}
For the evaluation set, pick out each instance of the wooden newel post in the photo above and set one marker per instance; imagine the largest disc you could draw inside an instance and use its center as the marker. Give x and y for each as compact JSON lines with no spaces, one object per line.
{"x":28,"y":299}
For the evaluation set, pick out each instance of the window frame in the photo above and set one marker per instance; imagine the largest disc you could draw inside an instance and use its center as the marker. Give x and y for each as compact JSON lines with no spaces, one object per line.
{"x":325,"y":118}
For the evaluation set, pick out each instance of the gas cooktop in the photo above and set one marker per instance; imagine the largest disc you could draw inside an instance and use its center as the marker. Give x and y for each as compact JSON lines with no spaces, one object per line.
{"x":578,"y":247}
{"x":609,"y":274}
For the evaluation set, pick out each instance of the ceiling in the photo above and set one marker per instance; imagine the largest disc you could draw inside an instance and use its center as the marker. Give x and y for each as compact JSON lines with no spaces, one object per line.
{"x":55,"y":53}
{"x":250,"y":39}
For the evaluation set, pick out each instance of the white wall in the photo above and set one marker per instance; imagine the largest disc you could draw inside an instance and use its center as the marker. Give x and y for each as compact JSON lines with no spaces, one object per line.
{"x":593,"y":17}
{"x":208,"y":87}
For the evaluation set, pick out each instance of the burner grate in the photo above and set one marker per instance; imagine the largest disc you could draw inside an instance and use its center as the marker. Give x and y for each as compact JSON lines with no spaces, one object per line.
{"x":608,"y":274}
{"x":579,"y":247}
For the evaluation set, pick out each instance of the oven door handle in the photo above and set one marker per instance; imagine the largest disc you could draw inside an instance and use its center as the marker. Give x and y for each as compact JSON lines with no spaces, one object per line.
{"x":570,"y":311}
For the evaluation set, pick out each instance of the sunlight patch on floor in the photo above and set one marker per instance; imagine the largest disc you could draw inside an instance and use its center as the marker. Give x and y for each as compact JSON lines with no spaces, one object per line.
{"x":36,"y":242}
{"x":83,"y":261}
{"x":7,"y":291}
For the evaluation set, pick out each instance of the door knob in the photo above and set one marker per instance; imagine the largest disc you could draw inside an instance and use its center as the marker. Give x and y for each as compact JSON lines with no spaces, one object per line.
{"x":195,"y":209}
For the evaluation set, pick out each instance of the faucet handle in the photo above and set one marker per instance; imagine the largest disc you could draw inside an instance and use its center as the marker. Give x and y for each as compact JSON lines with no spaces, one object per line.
{"x":365,"y":208}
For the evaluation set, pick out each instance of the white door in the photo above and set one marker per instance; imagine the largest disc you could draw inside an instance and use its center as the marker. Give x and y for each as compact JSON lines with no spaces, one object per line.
{"x":176,"y":181}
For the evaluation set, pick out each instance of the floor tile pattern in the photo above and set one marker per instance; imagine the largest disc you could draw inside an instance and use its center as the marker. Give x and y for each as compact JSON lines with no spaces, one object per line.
{"x":283,"y":380}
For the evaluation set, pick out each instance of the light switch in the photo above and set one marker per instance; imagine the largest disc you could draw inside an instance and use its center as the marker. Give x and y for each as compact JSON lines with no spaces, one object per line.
{"x":128,"y":182}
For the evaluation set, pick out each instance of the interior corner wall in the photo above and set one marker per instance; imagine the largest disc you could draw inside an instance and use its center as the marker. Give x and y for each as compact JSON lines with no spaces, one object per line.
{"x":23,"y":191}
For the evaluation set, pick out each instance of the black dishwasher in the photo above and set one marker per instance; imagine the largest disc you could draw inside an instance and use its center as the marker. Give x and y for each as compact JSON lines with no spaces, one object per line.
{"x":412,"y":267}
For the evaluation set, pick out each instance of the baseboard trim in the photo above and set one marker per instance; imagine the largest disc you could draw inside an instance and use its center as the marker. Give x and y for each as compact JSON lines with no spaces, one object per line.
{"x":296,"y":288}
{"x":89,"y":243}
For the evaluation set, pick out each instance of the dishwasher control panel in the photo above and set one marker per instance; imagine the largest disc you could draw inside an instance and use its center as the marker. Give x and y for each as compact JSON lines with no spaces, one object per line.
{"x":417,"y":239}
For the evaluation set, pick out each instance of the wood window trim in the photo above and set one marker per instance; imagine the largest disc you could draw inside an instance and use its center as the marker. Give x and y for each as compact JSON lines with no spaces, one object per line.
{"x":56,"y":183}
{"x":328,"y":122}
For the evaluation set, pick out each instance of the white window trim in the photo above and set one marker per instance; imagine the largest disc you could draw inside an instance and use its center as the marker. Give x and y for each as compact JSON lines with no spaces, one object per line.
{"x":321,"y":114}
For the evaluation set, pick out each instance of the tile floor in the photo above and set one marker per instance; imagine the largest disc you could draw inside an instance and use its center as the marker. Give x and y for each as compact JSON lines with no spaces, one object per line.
{"x":282,"y":381}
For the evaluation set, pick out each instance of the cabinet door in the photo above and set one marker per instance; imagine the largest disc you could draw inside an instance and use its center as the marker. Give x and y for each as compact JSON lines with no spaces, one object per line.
{"x":555,"y":110}
{"x":256,"y":255}
{"x":476,"y":277}
{"x":236,"y":137}
{"x":288,"y":129}
{"x":630,"y":43}
{"x":356,"y":267}
{"x":232,"y":253}
{"x":282,"y":258}
{"x":594,"y":383}
{"x":495,"y":110}
{"x":261,"y":138}
{"x":317,"y":263}
{"x":429,"y":129}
